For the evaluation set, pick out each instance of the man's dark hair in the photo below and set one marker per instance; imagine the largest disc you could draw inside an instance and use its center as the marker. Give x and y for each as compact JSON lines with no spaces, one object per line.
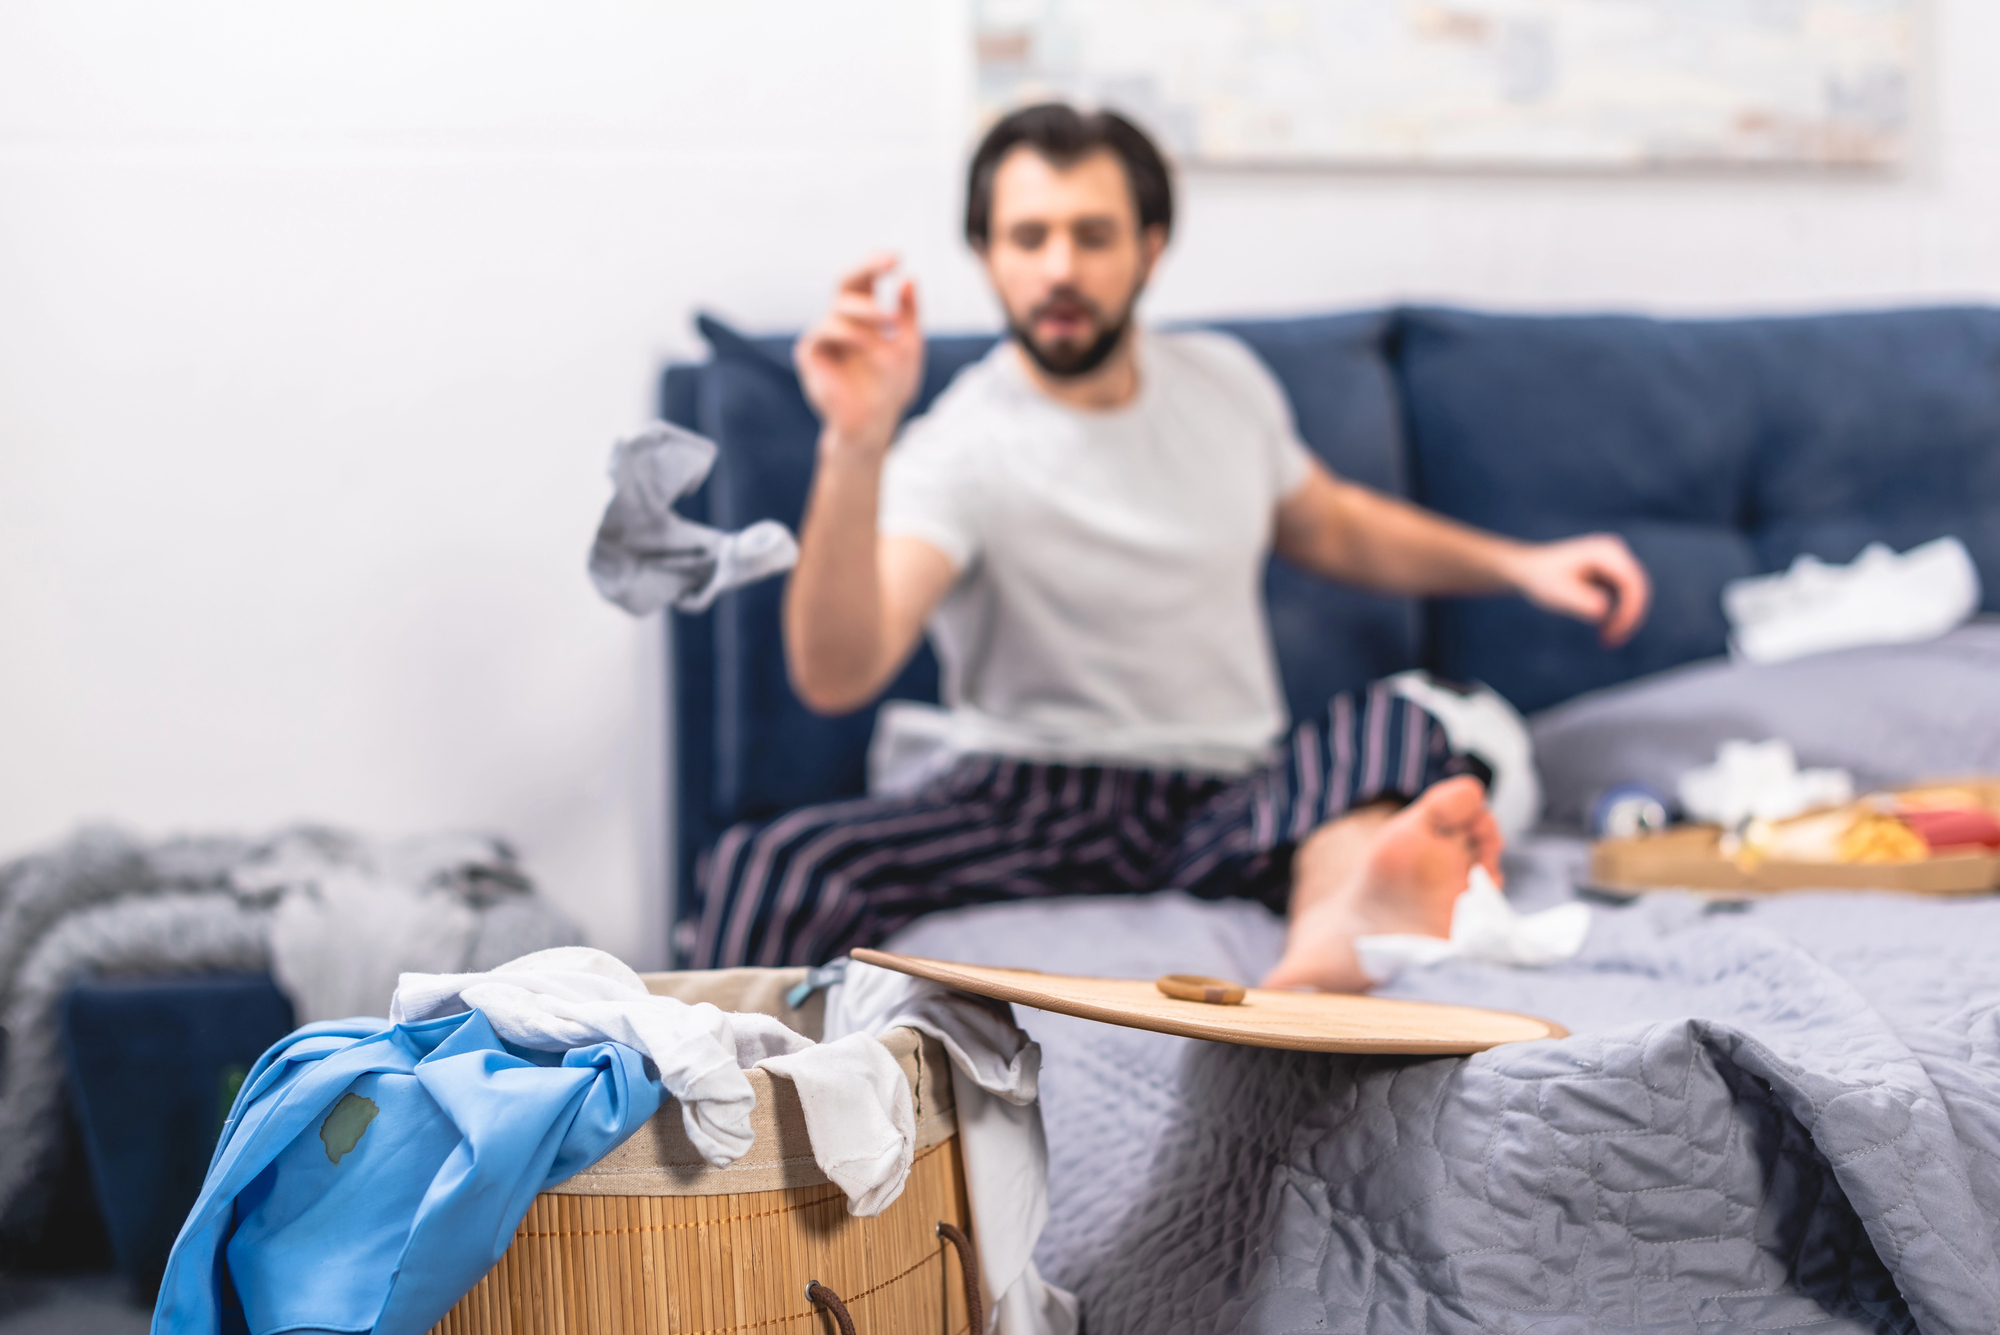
{"x":1065,"y":136}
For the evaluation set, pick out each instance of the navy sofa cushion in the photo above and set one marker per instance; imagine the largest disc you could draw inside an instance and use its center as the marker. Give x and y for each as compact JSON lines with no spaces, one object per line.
{"x":1881,"y":427}
{"x":1718,"y":449}
{"x":154,"y":1064}
{"x":1335,"y":369}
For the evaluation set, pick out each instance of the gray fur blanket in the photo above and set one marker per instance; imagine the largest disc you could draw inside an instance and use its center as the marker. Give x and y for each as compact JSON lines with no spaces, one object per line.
{"x":331,"y":915}
{"x":1785,"y":1117}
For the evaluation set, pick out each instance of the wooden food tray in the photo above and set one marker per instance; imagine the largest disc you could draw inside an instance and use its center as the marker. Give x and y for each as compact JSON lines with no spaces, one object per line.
{"x":1689,"y":857}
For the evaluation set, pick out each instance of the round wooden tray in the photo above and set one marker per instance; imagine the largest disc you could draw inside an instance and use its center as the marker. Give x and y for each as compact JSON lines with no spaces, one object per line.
{"x":1301,"y":1021}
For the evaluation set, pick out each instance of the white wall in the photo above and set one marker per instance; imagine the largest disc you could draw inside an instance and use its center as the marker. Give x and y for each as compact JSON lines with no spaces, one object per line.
{"x":316,"y":320}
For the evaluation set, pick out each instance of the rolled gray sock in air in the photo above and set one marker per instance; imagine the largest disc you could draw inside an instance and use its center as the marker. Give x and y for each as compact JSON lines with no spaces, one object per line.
{"x":646,"y":556}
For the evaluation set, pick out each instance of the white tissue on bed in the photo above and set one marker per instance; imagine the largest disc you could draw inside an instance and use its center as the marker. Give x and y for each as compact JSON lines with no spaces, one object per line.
{"x":1878,"y":598}
{"x":1760,"y":781}
{"x":1484,"y":926}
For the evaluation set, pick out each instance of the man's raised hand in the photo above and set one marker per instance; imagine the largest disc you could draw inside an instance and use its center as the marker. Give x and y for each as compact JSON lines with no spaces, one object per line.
{"x":861,"y":364}
{"x":1594,"y":579}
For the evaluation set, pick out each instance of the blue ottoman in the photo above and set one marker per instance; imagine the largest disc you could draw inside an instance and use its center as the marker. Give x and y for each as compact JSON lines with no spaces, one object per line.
{"x":154,"y":1065}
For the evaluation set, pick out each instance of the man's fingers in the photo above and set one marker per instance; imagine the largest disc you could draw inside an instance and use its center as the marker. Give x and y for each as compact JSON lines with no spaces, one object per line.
{"x":862,"y":280}
{"x":856,"y":306}
{"x":1588,"y":601}
{"x":1594,"y":579}
{"x":826,"y":336}
{"x":906,"y":308}
{"x":862,"y":329}
{"x":1628,"y":583}
{"x":825,"y":345}
{"x":844,"y":333}
{"x":1615,"y":569}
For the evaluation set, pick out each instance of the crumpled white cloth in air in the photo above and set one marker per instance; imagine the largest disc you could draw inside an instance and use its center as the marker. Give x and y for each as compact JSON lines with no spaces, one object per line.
{"x":1484,"y":926}
{"x":1878,"y":598}
{"x":999,"y":1129}
{"x":1759,"y":781}
{"x":646,"y":556}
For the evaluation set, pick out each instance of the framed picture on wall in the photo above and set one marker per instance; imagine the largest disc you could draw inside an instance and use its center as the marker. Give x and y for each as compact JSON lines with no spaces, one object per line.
{"x":1583,"y":84}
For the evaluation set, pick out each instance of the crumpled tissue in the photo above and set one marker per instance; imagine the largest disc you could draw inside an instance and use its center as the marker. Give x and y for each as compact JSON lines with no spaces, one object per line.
{"x":1484,"y":926}
{"x":646,"y":556}
{"x":1878,"y":598}
{"x":1759,"y":781}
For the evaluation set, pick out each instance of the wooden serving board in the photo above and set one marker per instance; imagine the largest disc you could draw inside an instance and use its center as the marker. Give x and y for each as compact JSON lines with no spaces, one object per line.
{"x":1301,"y":1021}
{"x":1689,"y":857}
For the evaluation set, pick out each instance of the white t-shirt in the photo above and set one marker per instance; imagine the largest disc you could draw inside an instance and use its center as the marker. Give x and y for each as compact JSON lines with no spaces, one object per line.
{"x":1109,"y":604}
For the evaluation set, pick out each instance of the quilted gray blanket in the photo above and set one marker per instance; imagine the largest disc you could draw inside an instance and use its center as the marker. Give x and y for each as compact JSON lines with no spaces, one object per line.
{"x":1782,"y":1117}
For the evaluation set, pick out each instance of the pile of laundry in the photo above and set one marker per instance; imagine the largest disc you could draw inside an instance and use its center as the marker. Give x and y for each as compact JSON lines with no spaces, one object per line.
{"x":309,"y":1221}
{"x":335,"y":918}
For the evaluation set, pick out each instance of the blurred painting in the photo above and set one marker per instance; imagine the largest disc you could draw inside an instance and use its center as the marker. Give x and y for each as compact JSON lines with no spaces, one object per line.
{"x":1473,"y":83}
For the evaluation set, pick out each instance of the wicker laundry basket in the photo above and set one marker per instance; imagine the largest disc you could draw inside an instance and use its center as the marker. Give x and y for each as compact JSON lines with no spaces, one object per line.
{"x":651,"y":1239}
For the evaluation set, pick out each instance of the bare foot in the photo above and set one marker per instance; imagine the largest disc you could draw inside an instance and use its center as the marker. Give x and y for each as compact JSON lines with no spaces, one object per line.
{"x":1373,"y":872}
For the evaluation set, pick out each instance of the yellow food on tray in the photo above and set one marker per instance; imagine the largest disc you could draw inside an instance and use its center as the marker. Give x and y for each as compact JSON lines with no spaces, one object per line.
{"x":1861,"y":833}
{"x":1877,"y":837}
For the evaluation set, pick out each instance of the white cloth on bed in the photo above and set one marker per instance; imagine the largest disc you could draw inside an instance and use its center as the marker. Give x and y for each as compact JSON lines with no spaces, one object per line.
{"x":1484,"y":926}
{"x":999,"y":1129}
{"x":1878,"y":598}
{"x":1759,"y":780}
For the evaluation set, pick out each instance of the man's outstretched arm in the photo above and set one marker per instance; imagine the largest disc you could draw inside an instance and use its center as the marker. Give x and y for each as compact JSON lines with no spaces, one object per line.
{"x":856,"y":602}
{"x":1358,"y":536}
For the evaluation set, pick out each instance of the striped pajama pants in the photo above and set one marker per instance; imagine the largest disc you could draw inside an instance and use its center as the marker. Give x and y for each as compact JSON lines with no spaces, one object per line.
{"x":823,"y":880}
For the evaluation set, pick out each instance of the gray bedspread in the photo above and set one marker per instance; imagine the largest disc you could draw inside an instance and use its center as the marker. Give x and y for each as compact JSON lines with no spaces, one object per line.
{"x":1785,"y":1117}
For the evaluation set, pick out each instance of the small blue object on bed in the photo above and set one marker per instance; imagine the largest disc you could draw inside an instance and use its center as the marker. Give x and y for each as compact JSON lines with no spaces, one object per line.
{"x":1784,"y":1116}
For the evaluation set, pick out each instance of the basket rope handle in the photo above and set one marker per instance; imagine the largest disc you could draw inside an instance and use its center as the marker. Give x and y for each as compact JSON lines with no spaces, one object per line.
{"x":968,"y":1267}
{"x":820,"y":1293}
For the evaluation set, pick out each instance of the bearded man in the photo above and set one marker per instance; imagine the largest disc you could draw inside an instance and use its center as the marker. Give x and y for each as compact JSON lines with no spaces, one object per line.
{"x":1082,"y":522}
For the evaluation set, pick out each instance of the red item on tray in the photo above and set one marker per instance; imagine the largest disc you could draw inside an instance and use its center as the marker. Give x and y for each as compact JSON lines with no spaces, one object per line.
{"x":1958,"y":828}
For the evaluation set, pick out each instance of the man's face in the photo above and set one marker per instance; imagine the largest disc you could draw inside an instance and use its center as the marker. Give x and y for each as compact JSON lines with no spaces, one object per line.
{"x":1066,"y":257}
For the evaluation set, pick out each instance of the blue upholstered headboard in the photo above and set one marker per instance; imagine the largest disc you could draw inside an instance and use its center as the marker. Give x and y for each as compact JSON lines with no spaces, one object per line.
{"x":1717,"y":448}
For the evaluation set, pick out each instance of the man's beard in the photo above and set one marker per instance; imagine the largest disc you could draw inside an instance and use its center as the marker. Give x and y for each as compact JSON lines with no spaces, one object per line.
{"x":1067,"y":360}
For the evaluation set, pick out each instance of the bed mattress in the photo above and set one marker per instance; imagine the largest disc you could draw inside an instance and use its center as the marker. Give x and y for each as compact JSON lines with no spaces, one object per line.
{"x":1779,"y":1116}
